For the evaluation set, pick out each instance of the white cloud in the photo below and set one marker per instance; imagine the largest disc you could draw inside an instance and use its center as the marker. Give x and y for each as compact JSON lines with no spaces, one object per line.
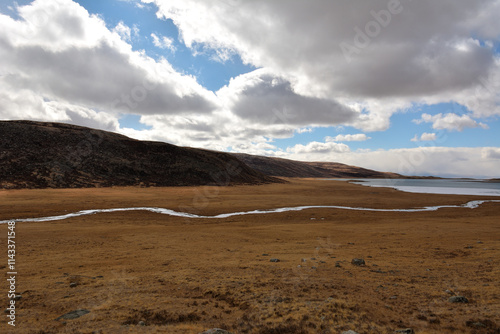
{"x":437,"y":161}
{"x":491,"y":153}
{"x":304,"y":130}
{"x":163,"y":42}
{"x":450,"y":121}
{"x":318,"y":147}
{"x":341,"y":138}
{"x":137,"y":3}
{"x":123,"y":30}
{"x":60,"y":53}
{"x":425,"y":137}
{"x":428,"y":137}
{"x":407,"y":61}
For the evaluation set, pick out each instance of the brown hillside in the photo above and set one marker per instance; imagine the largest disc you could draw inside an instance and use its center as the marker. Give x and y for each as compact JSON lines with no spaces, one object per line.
{"x":290,"y":168}
{"x":55,"y":155}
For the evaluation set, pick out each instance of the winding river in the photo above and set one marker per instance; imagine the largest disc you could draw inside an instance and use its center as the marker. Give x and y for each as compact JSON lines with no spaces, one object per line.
{"x":163,"y":211}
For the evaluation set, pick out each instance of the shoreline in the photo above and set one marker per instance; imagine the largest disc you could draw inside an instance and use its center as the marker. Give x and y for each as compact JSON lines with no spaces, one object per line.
{"x":429,"y":188}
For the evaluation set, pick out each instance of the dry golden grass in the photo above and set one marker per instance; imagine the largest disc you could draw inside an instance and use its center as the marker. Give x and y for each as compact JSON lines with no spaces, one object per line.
{"x":181,"y":275}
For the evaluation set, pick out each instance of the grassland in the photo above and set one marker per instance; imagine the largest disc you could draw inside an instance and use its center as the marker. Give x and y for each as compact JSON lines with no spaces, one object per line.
{"x":180,"y":275}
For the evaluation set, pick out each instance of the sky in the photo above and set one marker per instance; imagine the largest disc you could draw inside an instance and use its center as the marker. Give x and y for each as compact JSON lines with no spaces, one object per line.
{"x":411,"y":87}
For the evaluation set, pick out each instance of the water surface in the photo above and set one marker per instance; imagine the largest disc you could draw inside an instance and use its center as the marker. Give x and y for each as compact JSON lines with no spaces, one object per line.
{"x":436,"y":186}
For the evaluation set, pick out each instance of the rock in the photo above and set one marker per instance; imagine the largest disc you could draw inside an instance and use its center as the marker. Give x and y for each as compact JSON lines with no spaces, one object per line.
{"x":338,"y":265}
{"x":216,"y":331}
{"x":458,"y":299}
{"x":304,"y":260}
{"x":17,"y":297}
{"x":350,"y":332}
{"x":476,"y":324}
{"x":73,"y":314}
{"x":73,"y":285}
{"x":274,"y":260}
{"x":405,"y":331}
{"x":358,"y":262}
{"x":141,"y":323}
{"x":265,"y":254}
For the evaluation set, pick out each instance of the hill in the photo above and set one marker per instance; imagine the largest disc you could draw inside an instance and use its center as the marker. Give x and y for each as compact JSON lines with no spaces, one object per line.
{"x":56,"y":155}
{"x":290,"y":168}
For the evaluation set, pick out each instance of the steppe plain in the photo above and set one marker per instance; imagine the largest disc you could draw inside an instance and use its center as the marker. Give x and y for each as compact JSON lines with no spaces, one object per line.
{"x":141,"y":272}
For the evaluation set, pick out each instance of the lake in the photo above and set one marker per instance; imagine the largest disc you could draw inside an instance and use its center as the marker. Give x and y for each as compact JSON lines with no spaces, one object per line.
{"x":436,"y":186}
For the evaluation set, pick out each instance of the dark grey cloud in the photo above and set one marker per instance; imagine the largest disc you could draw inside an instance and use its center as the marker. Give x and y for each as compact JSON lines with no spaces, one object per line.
{"x":271,"y":100}
{"x":404,"y":49}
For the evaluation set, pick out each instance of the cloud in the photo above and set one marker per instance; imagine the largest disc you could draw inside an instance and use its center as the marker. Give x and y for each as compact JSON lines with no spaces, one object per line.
{"x":491,"y":153}
{"x":123,"y":30}
{"x":137,"y":3}
{"x":450,"y":122}
{"x":163,"y":42}
{"x":428,"y":137}
{"x":263,"y":97}
{"x":437,"y":161}
{"x":318,"y":147}
{"x":304,"y":130}
{"x":425,"y":137}
{"x":406,"y":60}
{"x":341,"y":138}
{"x":58,"y":52}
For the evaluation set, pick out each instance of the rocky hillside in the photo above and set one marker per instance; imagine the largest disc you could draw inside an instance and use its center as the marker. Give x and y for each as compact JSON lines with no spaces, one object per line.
{"x":55,"y":155}
{"x":291,"y":168}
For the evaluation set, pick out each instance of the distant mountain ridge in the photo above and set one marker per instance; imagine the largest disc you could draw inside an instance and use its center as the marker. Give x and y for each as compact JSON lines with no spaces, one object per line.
{"x":58,"y":155}
{"x":290,"y":168}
